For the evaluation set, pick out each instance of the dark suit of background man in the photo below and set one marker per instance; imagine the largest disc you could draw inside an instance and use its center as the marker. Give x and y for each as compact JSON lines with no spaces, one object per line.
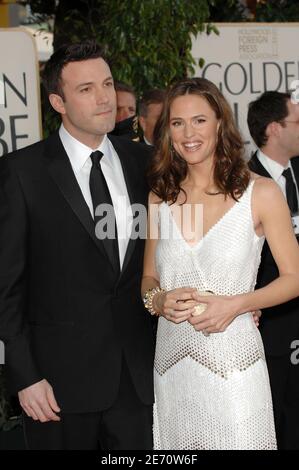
{"x":273,"y":121}
{"x":79,"y":343}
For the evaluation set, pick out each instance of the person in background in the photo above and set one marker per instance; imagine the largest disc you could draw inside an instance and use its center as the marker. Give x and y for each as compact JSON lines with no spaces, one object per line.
{"x":126,"y":121}
{"x":149,"y":111}
{"x":126,"y":101}
{"x":273,"y":121}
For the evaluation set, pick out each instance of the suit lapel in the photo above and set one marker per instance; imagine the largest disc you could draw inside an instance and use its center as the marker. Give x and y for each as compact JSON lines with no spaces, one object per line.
{"x":256,"y":166}
{"x":131,"y":178}
{"x":295,"y":166}
{"x":62,"y":173}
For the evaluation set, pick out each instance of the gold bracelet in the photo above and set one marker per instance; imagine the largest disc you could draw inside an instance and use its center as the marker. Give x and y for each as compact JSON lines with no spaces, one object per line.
{"x":148,"y":299}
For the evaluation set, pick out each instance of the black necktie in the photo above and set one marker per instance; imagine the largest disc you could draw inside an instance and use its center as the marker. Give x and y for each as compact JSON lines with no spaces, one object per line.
{"x":100,"y":195}
{"x":291,"y":191}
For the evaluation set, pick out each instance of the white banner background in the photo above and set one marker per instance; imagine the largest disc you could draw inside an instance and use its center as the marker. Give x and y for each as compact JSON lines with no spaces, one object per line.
{"x":20,"y":114}
{"x":247,"y":59}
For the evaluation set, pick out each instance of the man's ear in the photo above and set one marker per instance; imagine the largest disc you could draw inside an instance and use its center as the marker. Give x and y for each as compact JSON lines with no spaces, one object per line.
{"x":57,"y":103}
{"x":272,"y":129}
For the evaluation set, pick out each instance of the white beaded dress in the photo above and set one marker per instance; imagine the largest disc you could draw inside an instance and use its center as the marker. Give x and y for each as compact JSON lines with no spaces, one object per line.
{"x":212,"y":392}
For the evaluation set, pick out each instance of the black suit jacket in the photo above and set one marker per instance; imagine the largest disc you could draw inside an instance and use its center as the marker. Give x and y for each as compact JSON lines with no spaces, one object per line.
{"x":65,"y":313}
{"x":279,"y":325}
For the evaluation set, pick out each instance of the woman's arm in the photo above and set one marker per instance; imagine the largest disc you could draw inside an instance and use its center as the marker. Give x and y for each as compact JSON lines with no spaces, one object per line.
{"x":150,"y":278}
{"x":274,"y":215}
{"x":169,"y":304}
{"x":271,"y":213}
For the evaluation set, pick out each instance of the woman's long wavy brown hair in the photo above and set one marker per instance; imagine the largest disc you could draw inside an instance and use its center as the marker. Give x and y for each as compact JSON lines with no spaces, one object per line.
{"x":168,"y":169}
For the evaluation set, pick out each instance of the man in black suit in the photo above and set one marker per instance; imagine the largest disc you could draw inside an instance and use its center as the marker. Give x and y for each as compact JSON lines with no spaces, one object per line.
{"x":79,"y":344}
{"x":273,"y":121}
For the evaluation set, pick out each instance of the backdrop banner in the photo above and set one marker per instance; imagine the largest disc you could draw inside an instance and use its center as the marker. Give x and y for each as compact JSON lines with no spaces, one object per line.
{"x":247,"y":59}
{"x":20,"y":113}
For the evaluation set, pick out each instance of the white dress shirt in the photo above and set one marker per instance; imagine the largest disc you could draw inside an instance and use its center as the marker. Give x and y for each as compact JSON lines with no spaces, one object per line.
{"x":275,"y":170}
{"x":146,"y":141}
{"x":79,"y":156}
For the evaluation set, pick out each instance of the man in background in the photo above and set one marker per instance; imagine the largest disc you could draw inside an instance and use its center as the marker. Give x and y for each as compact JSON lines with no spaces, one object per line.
{"x":150,"y":108}
{"x":273,"y":122}
{"x":126,"y":101}
{"x":126,"y":121}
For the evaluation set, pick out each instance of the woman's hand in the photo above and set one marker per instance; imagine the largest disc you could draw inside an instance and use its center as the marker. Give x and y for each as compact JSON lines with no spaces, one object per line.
{"x":175,"y":305}
{"x":220,"y":312}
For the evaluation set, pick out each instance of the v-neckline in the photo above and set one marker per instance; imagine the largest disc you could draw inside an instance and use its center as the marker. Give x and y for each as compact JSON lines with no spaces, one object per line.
{"x":197,"y":244}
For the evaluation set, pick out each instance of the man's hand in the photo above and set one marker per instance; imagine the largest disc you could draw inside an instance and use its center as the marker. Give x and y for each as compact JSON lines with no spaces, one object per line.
{"x":39,"y":403}
{"x":256,"y":317}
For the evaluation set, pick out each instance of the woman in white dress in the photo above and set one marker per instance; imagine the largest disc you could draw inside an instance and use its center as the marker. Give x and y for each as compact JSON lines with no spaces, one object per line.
{"x":211,"y":380}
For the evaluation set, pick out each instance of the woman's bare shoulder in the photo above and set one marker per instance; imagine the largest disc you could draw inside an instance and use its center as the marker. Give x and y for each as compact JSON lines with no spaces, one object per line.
{"x":255,"y":177}
{"x":266,"y":188}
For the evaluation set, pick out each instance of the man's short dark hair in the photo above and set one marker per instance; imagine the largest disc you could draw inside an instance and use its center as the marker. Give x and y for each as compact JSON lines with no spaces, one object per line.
{"x":67,"y":53}
{"x":155,"y":96}
{"x":271,"y":106}
{"x":121,"y":86}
